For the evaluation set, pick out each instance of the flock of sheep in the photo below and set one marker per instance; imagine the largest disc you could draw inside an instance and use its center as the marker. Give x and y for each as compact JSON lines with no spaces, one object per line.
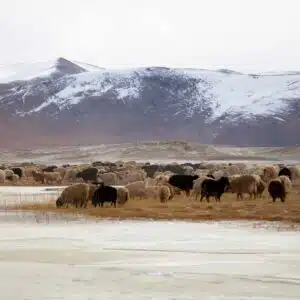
{"x":129,"y":180}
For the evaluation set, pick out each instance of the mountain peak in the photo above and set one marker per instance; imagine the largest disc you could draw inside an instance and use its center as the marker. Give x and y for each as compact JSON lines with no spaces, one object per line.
{"x":65,"y":67}
{"x":28,"y":71}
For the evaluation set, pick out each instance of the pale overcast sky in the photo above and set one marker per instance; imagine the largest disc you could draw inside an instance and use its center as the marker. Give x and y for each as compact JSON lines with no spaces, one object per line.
{"x":244,"y":35}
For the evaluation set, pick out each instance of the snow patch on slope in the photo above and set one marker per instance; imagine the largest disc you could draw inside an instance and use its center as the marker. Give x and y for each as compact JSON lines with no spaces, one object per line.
{"x":92,"y":84}
{"x":246,"y":94}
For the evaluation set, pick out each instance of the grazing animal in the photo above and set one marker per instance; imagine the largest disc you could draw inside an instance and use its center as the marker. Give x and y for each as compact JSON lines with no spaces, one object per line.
{"x":137,"y":189}
{"x":261,"y":186}
{"x":18,"y":171}
{"x":269,"y":173}
{"x":212,"y":187}
{"x":279,"y":188}
{"x":89,"y":174}
{"x":49,"y":169}
{"x":14,"y":178}
{"x":76,"y":194}
{"x":123,"y":194}
{"x":109,"y":178}
{"x":38,"y":176}
{"x":197,"y":185}
{"x":105,"y":193}
{"x":8,"y":174}
{"x":276,"y":190}
{"x":183,"y":182}
{"x":50,"y":177}
{"x":285,"y":171}
{"x":164,"y":193}
{"x":286,"y":182}
{"x":295,"y":172}
{"x":244,"y":184}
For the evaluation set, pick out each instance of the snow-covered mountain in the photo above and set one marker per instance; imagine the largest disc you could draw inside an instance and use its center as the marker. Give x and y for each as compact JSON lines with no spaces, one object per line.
{"x":67,"y":102}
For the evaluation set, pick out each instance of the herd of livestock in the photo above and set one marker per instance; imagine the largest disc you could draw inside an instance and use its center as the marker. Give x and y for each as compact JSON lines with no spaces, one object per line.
{"x":118,"y":182}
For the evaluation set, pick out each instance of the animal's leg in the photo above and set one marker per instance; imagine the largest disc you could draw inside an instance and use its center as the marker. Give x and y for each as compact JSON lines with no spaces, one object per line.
{"x":207,"y":198}
{"x":187,"y":193}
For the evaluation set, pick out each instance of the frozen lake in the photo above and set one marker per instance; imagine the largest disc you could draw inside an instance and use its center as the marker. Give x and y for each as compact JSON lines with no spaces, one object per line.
{"x":12,"y":195}
{"x":82,"y":259}
{"x":44,"y":256}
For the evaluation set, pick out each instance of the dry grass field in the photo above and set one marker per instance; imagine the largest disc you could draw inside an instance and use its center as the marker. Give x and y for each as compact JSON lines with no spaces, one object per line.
{"x":182,"y":208}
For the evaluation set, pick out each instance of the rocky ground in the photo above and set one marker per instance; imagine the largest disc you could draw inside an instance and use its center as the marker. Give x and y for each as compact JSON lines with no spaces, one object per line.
{"x":155,"y":151}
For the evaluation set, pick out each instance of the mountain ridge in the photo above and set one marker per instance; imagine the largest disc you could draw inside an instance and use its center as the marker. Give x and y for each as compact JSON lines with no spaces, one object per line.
{"x":150,"y":103}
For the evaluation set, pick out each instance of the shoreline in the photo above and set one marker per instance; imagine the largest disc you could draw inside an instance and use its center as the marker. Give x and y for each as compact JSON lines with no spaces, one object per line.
{"x":140,"y":217}
{"x":179,"y":209}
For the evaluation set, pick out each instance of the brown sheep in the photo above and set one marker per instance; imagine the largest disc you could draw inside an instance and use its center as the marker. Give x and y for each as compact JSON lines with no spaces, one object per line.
{"x":173,"y":190}
{"x":164,"y":193}
{"x":77,"y":195}
{"x":9,"y":174}
{"x":123,"y":194}
{"x":38,"y":176}
{"x":109,"y":178}
{"x":29,"y":171}
{"x":286,"y":183}
{"x":261,"y":186}
{"x":151,"y":191}
{"x":295,"y":172}
{"x":61,"y":171}
{"x":52,"y":177}
{"x":137,"y":189}
{"x":245,"y":184}
{"x":269,"y":173}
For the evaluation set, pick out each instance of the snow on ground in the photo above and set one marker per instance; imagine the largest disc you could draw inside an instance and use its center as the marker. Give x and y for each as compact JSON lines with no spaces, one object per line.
{"x":147,"y":260}
{"x":227,"y":92}
{"x":12,"y":195}
{"x":94,"y":83}
{"x":247,"y":94}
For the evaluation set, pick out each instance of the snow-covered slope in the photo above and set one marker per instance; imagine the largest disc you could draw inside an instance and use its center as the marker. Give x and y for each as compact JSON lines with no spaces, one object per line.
{"x":155,"y":102}
{"x":228,"y":93}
